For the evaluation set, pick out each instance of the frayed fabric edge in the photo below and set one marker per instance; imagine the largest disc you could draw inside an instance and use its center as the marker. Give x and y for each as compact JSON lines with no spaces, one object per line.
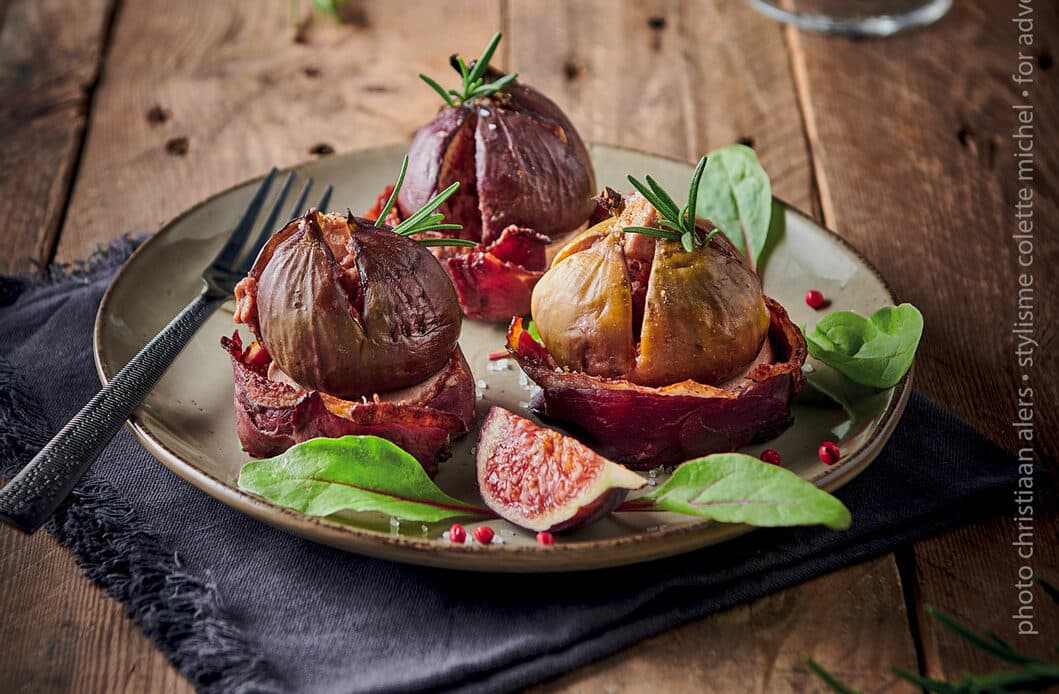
{"x":182,"y":613}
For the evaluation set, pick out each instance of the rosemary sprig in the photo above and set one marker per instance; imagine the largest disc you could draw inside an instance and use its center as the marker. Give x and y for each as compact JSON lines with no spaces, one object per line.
{"x":467,"y":243}
{"x":385,"y":211}
{"x":473,"y":77}
{"x":676,"y":224}
{"x":1032,"y":674}
{"x":425,"y":218}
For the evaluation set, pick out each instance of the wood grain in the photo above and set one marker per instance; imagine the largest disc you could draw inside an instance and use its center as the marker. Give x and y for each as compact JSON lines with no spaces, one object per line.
{"x":760,"y":648}
{"x":916,"y":168}
{"x":902,"y":145}
{"x":230,"y":78}
{"x":686,"y":77}
{"x":63,"y":634}
{"x":50,"y":53}
{"x":196,"y":100}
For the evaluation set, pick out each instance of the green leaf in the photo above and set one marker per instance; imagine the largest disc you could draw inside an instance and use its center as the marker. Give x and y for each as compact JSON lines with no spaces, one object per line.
{"x":328,"y":6}
{"x":651,"y":231}
{"x":693,"y":196}
{"x":425,"y":216}
{"x":670,"y":208}
{"x":876,"y":351}
{"x":738,"y":488}
{"x":987,"y":641}
{"x":355,"y":473}
{"x":465,"y":243}
{"x":482,"y":64}
{"x":438,"y":88}
{"x":829,"y":679}
{"x":1049,"y":588}
{"x":531,"y":328}
{"x":735,"y":194}
{"x":393,"y":193}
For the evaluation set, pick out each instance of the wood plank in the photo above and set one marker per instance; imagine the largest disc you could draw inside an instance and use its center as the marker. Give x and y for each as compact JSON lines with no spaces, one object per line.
{"x":679,"y":78}
{"x":50,"y":52}
{"x":63,"y":634}
{"x":196,"y":100}
{"x":917,"y":168}
{"x":719,"y":655}
{"x":229,"y":77}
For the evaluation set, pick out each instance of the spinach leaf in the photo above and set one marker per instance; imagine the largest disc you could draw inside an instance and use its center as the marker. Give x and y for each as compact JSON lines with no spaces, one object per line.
{"x":356,"y":473}
{"x":735,"y":194}
{"x":876,"y":351}
{"x":738,"y":488}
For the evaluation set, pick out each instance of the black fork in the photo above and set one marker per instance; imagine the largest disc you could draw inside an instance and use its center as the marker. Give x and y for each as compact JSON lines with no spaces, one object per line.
{"x":33,"y":495}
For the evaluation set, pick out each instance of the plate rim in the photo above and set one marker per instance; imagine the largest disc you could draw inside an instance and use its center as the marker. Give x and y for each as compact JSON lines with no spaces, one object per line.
{"x":668,"y":541}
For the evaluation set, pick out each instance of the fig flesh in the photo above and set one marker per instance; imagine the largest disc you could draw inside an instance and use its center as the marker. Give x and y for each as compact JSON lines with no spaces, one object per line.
{"x":348,"y":308}
{"x":648,"y":310}
{"x":273,"y":412}
{"x":645,"y":427}
{"x":540,"y":480}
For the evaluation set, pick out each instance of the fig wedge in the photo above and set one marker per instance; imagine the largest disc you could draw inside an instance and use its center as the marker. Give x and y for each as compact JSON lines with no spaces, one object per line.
{"x":539,"y":479}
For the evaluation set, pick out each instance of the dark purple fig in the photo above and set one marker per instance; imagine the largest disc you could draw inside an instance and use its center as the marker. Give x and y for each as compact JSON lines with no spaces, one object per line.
{"x":350,"y":309}
{"x":518,"y":157}
{"x":648,"y":310}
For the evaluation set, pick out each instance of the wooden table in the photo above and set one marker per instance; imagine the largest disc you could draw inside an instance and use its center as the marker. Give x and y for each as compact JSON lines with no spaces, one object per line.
{"x":118,"y":115}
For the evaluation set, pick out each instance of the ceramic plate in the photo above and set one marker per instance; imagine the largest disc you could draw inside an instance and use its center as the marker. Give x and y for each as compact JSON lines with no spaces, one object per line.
{"x":188,"y":422}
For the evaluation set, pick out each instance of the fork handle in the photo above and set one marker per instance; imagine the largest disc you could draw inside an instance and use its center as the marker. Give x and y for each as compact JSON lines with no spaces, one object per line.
{"x":32,"y":496}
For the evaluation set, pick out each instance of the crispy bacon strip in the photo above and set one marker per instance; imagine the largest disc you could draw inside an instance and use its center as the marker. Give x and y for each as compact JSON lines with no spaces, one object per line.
{"x":272,"y":414}
{"x":644,"y":427}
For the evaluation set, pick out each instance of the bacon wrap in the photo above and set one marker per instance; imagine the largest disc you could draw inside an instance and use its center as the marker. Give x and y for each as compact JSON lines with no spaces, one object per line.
{"x":494,"y":281}
{"x":644,"y":427}
{"x":272,"y":414}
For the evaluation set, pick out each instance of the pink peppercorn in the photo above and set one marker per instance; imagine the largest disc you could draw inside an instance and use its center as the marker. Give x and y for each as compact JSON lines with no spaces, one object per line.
{"x":829,"y":453}
{"x":771,"y":456}
{"x":457,"y":534}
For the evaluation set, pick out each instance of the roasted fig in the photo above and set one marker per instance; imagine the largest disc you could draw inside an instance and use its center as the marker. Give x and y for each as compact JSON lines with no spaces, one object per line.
{"x":522,"y":166}
{"x":656,"y":339}
{"x":623,"y":305}
{"x":348,"y":308}
{"x":356,"y":326}
{"x":539,"y":479}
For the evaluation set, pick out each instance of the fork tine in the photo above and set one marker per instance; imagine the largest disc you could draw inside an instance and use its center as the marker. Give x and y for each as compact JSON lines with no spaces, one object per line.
{"x":325,"y":199}
{"x":299,"y":204}
{"x":265,"y":232}
{"x":237,"y":239}
{"x":273,"y":215}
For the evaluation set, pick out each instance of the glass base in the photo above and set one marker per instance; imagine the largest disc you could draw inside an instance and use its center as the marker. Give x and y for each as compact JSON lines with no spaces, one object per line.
{"x":863,"y":25}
